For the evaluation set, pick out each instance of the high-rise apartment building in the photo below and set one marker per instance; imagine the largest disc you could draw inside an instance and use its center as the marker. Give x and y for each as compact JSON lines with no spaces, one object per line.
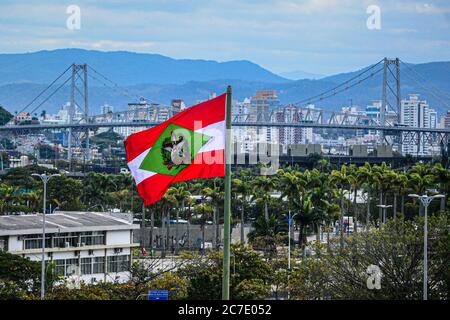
{"x":262,"y":104}
{"x":417,"y":113}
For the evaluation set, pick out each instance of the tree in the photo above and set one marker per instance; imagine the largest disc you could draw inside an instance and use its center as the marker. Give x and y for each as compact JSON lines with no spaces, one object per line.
{"x":5,"y":116}
{"x":250,"y":276}
{"x":263,"y":185}
{"x":216,"y":197}
{"x":367,"y":180}
{"x":65,"y":193}
{"x":182,"y":195}
{"x":7,"y":196}
{"x":341,"y":179}
{"x":242,"y":186}
{"x":421,"y":178}
{"x":382,"y":176}
{"x":205,"y":210}
{"x":23,"y":275}
{"x":396,"y":249}
{"x":266,"y":233}
{"x":174,"y":283}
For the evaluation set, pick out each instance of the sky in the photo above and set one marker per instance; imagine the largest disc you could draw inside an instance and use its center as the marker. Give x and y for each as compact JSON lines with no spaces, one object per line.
{"x":316,"y":36}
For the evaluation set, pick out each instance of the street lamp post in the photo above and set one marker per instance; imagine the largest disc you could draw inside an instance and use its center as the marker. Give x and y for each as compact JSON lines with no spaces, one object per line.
{"x":425,"y":200}
{"x":384,"y":208}
{"x":45,"y":178}
{"x":289,"y":247}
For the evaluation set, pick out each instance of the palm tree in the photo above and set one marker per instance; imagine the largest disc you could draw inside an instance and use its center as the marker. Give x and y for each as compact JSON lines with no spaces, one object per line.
{"x":265,"y":232}
{"x":205,"y":210}
{"x":305,"y":217}
{"x":398,"y":184}
{"x":7,"y":195}
{"x":181,"y":195}
{"x":166,"y":204}
{"x":382,"y":176}
{"x":366,"y":176}
{"x":341,"y":179}
{"x":355,"y":180}
{"x":421,"y":178}
{"x":243,"y":187}
{"x":32,"y":199}
{"x":293,"y":185}
{"x":321,"y":196}
{"x":215,"y":196}
{"x":443,"y":178}
{"x":263,"y":185}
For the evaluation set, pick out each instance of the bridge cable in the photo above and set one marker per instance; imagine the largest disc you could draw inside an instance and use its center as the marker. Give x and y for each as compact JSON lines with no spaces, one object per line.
{"x":436,"y":90}
{"x":340,"y":85}
{"x":444,"y":103}
{"x":62,"y":84}
{"x":344,"y":89}
{"x":42,"y":92}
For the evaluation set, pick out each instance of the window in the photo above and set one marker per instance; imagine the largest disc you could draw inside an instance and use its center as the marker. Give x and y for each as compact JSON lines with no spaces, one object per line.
{"x":34,"y":241}
{"x":4,"y":243}
{"x":118,"y":263}
{"x":86,"y":265}
{"x":62,"y":240}
{"x":99,"y":265}
{"x":93,"y":238}
{"x":71,"y":266}
{"x":60,"y":267}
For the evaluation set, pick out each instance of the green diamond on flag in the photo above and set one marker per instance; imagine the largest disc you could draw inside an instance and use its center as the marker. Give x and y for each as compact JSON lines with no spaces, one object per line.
{"x":190,"y":145}
{"x":174,"y":150}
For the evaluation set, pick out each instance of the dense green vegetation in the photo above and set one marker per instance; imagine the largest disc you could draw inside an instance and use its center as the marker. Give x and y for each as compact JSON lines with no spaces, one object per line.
{"x":319,"y":197}
{"x":5,"y":116}
{"x":333,"y":272}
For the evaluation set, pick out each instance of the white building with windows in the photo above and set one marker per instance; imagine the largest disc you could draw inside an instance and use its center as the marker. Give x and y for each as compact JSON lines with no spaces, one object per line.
{"x":417,"y":113}
{"x":87,"y":246}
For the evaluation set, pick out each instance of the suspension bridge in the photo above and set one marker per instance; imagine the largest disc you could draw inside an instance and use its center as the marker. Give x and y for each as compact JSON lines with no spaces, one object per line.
{"x":390,"y":128}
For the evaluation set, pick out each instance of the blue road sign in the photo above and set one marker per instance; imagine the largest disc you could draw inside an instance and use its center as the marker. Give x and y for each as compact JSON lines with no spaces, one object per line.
{"x":158,"y":295}
{"x":289,"y":220}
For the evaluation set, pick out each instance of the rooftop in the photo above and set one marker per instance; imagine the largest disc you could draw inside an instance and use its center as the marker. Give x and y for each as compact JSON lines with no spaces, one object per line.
{"x":62,"y":222}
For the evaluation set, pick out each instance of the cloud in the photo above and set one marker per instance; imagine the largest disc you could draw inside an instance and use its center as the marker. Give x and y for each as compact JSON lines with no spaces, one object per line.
{"x":321,"y":36}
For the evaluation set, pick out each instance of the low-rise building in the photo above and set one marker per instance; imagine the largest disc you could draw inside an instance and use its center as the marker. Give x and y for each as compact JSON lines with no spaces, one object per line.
{"x":90,"y":246}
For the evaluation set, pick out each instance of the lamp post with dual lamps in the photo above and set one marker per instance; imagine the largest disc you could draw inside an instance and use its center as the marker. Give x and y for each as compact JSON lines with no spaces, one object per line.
{"x":45,"y":178}
{"x":425,"y":200}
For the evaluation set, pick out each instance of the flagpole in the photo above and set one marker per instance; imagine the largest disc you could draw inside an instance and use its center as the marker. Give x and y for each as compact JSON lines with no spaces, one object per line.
{"x":227,"y":205}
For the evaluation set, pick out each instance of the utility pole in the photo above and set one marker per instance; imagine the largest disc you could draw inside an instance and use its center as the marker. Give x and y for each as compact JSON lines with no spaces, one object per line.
{"x":425,"y":200}
{"x":45,"y":178}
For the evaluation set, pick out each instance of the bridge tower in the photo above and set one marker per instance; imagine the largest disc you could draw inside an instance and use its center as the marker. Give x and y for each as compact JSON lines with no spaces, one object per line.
{"x":78,"y":103}
{"x":391,"y":96}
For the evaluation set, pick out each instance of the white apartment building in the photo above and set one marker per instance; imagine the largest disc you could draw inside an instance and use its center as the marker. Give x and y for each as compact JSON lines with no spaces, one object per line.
{"x":89,"y":246}
{"x":290,"y":135}
{"x":417,"y":113}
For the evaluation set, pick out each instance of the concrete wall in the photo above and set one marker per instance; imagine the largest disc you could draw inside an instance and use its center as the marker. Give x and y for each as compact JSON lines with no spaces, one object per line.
{"x":193,"y":231}
{"x":301,"y":150}
{"x":358,"y":150}
{"x":14,"y":244}
{"x":313,"y":148}
{"x":297,"y":150}
{"x":117,"y":237}
{"x":384,"y":151}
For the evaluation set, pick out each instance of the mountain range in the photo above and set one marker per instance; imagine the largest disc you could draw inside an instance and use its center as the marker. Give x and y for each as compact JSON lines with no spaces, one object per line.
{"x":160,"y":79}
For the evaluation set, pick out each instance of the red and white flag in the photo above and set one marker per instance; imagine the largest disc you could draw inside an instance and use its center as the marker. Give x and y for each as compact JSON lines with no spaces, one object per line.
{"x":190,"y":145}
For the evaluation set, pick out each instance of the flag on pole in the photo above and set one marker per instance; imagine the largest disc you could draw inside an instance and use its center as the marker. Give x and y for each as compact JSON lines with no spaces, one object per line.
{"x":190,"y":145}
